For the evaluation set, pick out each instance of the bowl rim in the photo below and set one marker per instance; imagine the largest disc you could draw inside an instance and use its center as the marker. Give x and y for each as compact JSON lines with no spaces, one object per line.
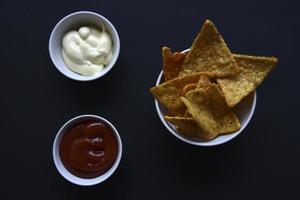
{"x":201,"y":143}
{"x":65,"y":172}
{"x":115,"y":54}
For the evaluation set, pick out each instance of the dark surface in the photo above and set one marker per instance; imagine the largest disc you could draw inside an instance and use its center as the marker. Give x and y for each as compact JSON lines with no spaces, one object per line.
{"x":36,"y":100}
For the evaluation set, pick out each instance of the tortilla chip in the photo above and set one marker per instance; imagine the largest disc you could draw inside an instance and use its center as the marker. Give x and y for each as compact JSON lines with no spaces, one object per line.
{"x":172,"y":63}
{"x":253,"y":71}
{"x":168,"y":93}
{"x":185,"y":125}
{"x":211,"y":112}
{"x":188,"y":87}
{"x":203,"y":82}
{"x":209,"y":53}
{"x":187,"y":114}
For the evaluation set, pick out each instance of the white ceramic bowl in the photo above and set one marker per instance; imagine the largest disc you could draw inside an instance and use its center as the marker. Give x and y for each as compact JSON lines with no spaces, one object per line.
{"x":61,"y":168}
{"x":73,"y":22}
{"x":244,"y":111}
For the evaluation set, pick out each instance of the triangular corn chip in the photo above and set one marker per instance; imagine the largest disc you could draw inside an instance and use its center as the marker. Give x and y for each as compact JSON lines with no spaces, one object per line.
{"x":185,"y":125}
{"x":187,"y":114}
{"x":209,"y":109}
{"x":189,"y":87}
{"x":172,"y":63}
{"x":209,"y":53}
{"x":253,"y":71}
{"x":169,"y":93}
{"x":203,"y":82}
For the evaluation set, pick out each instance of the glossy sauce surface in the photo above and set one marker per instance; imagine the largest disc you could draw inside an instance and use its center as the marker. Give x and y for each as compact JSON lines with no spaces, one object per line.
{"x":88,"y":149}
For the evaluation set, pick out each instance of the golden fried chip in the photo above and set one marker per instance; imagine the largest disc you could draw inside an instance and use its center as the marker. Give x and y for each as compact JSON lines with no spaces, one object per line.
{"x":188,"y":87}
{"x":187,"y":114}
{"x":253,"y":71}
{"x":203,"y":82}
{"x":168,"y":93}
{"x":209,"y":53}
{"x":172,"y":63}
{"x":185,"y":125}
{"x":211,"y":112}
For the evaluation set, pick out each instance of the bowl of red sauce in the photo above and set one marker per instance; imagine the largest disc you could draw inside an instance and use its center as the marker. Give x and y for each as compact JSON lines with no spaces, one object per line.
{"x":87,"y":150}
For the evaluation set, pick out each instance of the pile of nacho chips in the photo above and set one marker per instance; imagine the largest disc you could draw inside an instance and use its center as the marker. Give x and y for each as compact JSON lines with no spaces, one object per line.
{"x":202,"y":86}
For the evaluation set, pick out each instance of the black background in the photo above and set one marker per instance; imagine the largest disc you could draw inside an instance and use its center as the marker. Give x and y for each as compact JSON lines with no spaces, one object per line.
{"x":36,"y":100}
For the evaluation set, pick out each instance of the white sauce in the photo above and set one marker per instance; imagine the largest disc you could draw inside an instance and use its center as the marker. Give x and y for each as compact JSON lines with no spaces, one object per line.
{"x":87,"y":50}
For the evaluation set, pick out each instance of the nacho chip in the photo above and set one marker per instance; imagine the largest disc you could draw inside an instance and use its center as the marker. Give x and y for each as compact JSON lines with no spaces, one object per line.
{"x":253,"y":71}
{"x":172,"y":63}
{"x":188,"y":87}
{"x":211,"y":112}
{"x":185,"y":125}
{"x":168,"y":93}
{"x":209,"y":53}
{"x":187,"y":114}
{"x":203,"y":82}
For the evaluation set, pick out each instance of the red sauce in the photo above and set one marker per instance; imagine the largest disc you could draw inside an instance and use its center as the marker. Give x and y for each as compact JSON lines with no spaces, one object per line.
{"x":88,"y":149}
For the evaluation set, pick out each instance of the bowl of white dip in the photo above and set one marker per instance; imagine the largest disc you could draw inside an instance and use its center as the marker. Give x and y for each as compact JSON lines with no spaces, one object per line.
{"x":84,"y":46}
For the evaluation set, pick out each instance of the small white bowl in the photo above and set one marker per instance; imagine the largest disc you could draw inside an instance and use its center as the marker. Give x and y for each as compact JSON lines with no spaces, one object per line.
{"x":60,"y":166}
{"x":73,"y":22}
{"x":244,"y":111}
